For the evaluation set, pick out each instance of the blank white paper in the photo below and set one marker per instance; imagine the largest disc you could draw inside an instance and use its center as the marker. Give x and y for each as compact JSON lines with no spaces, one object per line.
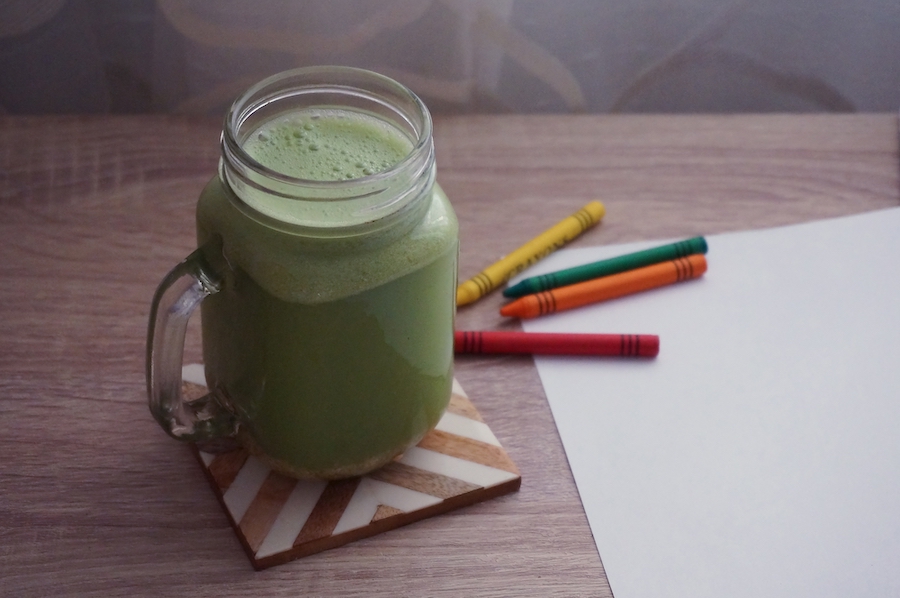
{"x":759,"y":453}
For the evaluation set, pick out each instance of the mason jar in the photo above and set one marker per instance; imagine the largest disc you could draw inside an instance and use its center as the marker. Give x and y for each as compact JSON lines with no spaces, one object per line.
{"x":325,"y":274}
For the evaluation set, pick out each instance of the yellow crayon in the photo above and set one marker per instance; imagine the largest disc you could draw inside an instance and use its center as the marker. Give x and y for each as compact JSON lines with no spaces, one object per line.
{"x":548,"y":241}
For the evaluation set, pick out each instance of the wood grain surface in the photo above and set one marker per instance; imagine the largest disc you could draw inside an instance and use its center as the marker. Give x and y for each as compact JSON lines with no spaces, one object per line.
{"x":96,"y":500}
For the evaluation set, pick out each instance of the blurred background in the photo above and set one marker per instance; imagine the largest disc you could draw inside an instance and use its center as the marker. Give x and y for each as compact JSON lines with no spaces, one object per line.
{"x":195,"y":56}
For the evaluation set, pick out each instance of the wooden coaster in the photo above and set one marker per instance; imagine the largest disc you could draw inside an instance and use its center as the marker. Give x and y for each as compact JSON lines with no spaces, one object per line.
{"x":278,"y":519}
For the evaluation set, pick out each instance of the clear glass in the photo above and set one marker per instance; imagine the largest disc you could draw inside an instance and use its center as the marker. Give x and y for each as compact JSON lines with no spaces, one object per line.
{"x":327,"y":306}
{"x":340,"y":205}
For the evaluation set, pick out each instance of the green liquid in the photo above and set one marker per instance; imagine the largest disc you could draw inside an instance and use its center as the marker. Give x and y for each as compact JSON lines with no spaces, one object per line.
{"x":336,"y":353}
{"x":327,"y":145}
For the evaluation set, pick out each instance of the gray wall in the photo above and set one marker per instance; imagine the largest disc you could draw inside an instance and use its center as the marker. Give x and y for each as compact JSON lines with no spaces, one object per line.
{"x":194,"y":56}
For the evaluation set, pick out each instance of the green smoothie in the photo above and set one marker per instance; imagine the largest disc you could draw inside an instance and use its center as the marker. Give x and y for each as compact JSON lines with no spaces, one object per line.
{"x":324,"y":144}
{"x":335,"y":351}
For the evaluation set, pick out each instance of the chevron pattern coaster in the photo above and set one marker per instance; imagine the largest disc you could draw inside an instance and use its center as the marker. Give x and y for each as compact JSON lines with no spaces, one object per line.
{"x":278,"y":519}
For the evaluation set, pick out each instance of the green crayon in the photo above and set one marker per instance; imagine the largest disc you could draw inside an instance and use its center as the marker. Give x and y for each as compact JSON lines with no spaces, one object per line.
{"x":622,"y":263}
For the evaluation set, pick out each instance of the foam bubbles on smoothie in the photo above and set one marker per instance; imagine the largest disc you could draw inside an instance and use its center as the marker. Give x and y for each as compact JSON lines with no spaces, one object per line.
{"x":327,"y":145}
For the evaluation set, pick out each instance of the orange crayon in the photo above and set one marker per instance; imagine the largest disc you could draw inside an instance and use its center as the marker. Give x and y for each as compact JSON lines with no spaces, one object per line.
{"x":607,"y":287}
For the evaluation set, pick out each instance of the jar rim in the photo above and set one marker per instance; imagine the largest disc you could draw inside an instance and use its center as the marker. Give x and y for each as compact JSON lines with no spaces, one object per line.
{"x":320,"y":79}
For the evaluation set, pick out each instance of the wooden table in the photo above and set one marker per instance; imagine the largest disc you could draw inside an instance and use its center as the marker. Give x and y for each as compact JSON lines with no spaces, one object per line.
{"x":96,"y":500}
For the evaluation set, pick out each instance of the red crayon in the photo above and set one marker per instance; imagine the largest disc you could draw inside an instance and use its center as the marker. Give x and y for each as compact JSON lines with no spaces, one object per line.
{"x":553,"y":343}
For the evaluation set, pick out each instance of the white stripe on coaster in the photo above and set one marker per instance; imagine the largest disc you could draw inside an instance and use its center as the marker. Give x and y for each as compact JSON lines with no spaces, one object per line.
{"x":193,"y":373}
{"x":469,"y":428}
{"x":292,"y":517}
{"x":207,"y":457}
{"x":454,"y":467}
{"x":245,"y":487}
{"x":372,"y":493}
{"x":458,"y":389}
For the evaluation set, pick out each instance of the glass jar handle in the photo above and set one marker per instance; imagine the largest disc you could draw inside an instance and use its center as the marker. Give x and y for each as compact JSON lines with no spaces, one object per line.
{"x":176,"y":298}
